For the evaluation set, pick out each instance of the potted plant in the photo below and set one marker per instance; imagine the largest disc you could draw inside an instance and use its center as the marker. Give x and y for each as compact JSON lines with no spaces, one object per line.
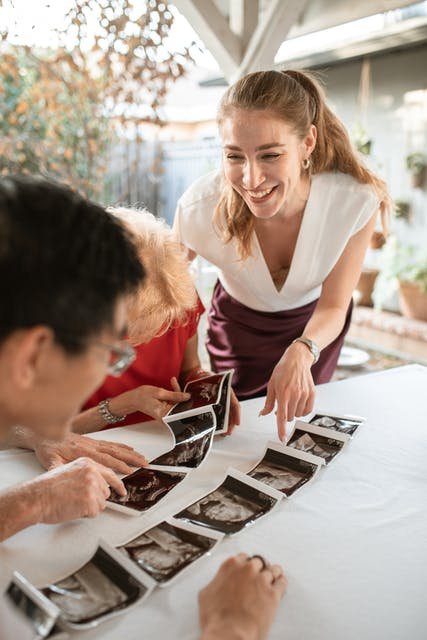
{"x":403,"y":210}
{"x":404,"y":271}
{"x":361,"y":140}
{"x":416,"y":163}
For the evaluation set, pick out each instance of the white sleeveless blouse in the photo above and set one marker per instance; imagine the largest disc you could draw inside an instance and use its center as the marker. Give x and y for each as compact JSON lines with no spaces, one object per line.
{"x":337,"y":207}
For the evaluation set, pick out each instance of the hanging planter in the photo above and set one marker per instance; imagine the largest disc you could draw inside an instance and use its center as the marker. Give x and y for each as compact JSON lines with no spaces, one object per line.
{"x":416,"y":163}
{"x":402,"y":210}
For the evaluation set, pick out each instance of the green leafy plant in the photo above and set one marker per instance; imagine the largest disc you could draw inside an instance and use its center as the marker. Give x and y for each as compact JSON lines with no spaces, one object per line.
{"x":416,"y":163}
{"x":402,"y":210}
{"x":401,"y":264}
{"x":361,"y":140}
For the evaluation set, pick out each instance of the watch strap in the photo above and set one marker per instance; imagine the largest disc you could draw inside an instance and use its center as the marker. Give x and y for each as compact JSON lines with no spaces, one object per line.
{"x":312,"y":346}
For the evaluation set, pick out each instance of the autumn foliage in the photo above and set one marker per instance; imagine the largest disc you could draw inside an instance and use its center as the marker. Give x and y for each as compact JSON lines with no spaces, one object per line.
{"x":60,"y":107}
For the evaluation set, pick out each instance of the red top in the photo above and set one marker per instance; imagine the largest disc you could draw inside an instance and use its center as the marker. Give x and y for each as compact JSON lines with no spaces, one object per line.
{"x":155,"y":364}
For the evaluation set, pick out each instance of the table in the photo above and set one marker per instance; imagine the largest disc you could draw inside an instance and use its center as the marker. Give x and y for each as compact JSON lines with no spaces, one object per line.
{"x":354,"y":542}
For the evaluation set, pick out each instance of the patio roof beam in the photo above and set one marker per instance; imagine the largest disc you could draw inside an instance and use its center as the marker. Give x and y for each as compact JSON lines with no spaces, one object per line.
{"x":214,"y":29}
{"x":279,"y":18}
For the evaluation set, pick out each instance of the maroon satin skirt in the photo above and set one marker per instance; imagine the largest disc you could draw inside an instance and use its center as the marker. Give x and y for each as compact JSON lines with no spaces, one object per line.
{"x":252,"y":342}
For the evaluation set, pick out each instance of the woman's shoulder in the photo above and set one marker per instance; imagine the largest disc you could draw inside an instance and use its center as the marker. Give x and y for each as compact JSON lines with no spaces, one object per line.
{"x":336,"y":182}
{"x":206,"y":188}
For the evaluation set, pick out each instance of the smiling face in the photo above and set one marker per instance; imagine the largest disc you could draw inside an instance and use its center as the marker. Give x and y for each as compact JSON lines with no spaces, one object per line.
{"x":262,"y":159}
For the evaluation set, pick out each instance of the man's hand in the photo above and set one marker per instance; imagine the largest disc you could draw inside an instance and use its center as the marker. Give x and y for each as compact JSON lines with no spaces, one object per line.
{"x":119,"y":457}
{"x":75,"y":490}
{"x":242,"y":600}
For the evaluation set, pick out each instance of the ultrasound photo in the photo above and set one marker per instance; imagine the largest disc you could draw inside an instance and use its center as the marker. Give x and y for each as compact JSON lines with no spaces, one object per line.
{"x":222,"y":408}
{"x":343,"y":424}
{"x":283,"y":471}
{"x":185,"y":429}
{"x":145,"y":488}
{"x":231,"y":507}
{"x":204,"y":392}
{"x":102,"y":586}
{"x":25,"y":614}
{"x":317,"y":441}
{"x":167,"y":549}
{"x":189,"y":454}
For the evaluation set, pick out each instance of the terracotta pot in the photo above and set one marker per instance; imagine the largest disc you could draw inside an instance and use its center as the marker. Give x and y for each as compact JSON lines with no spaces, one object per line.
{"x":418,"y":179}
{"x":365,"y":287}
{"x":413,"y":301}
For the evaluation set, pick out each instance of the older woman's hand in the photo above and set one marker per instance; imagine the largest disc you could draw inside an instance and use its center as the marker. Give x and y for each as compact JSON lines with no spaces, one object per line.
{"x":114,"y":455}
{"x":291,"y":386}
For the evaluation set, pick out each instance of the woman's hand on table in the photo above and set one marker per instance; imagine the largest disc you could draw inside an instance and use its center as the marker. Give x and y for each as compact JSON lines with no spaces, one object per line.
{"x":242,"y":599}
{"x":290,"y":387}
{"x":116,"y":456}
{"x":153,"y":401}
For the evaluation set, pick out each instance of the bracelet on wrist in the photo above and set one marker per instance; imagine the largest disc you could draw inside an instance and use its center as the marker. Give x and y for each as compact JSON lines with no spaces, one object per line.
{"x":105,"y":413}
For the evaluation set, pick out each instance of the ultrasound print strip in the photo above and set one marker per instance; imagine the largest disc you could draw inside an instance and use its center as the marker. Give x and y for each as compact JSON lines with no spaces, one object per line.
{"x":285,"y":469}
{"x":237,"y":502}
{"x":187,"y":454}
{"x":205,"y":392}
{"x":145,"y":489}
{"x":102,"y":588}
{"x":348,"y":424}
{"x":324,"y":443}
{"x":25,"y":612}
{"x":222,"y":408}
{"x":170,"y":548}
{"x":186,"y":429}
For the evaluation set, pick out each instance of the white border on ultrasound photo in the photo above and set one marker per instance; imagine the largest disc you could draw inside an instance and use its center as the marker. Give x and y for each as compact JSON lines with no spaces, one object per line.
{"x":204,"y":532}
{"x":197,"y":436}
{"x":322,"y":431}
{"x":204,"y":408}
{"x":251,"y":482}
{"x":228,"y":375}
{"x":337,"y":416}
{"x":167,"y":419}
{"x":142,"y":578}
{"x":293,"y":453}
{"x":18,"y":618}
{"x":129,"y":511}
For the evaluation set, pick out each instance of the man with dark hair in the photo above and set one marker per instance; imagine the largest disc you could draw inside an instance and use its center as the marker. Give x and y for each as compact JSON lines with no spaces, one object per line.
{"x":66,"y":266}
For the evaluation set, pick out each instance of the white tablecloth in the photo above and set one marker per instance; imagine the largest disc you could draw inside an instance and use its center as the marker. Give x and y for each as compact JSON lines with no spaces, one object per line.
{"x":354,"y":542}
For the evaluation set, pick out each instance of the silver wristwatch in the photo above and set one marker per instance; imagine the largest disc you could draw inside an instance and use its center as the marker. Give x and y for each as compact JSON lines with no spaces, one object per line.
{"x":105,"y":413}
{"x":314,"y":349}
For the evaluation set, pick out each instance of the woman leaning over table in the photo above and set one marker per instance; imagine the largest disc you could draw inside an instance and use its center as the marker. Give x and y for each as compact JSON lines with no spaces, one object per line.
{"x":287,"y":221}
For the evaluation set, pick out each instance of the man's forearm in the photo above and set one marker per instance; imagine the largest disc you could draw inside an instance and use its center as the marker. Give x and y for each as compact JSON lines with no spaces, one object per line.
{"x":19,"y":508}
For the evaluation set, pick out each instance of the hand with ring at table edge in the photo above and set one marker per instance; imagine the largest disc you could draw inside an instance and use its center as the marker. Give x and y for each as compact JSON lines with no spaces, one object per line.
{"x":242,"y":600}
{"x":291,"y":386}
